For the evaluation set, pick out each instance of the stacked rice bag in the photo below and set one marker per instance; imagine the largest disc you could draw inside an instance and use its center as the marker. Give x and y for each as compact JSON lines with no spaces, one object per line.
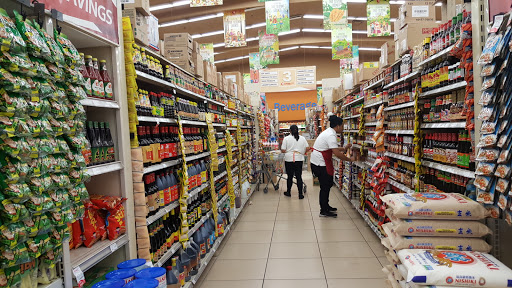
{"x":431,"y":221}
{"x":42,"y":168}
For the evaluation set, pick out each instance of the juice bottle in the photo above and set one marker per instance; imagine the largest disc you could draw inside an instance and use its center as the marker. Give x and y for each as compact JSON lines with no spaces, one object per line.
{"x":107,"y":83}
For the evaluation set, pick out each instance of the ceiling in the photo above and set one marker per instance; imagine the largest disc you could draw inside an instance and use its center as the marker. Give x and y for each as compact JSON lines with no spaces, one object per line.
{"x":255,"y":14}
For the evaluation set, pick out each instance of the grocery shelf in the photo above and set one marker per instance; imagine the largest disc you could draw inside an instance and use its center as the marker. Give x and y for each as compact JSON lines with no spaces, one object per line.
{"x":351,"y":117}
{"x":374,"y":104}
{"x":58,"y":283}
{"x":99,"y":103}
{"x":104,"y":168}
{"x":402,"y":132}
{"x":402,"y":79}
{"x":370,"y":142}
{"x":400,"y":186}
{"x":435,"y":56}
{"x":246,"y":127}
{"x":221,"y":150}
{"x":351,"y":131}
{"x":444,"y":125}
{"x":356,"y":146}
{"x":195,"y":157}
{"x":234,"y":170}
{"x":222,"y":200}
{"x":196,"y":191}
{"x":219,"y":125}
{"x":361,"y":164}
{"x":399,"y":106}
{"x":220,"y":176}
{"x":192,"y":122}
{"x":175,"y":247}
{"x":445,"y":89}
{"x":374,"y":85}
{"x":86,"y":258}
{"x":243,"y":161}
{"x":450,"y":169}
{"x":162,"y":212}
{"x":401,"y":157}
{"x":229,"y":110}
{"x":357,"y":184}
{"x":371,"y":124}
{"x":198,"y":224}
{"x":231,"y":128}
{"x":162,"y":165}
{"x":353,"y":102}
{"x":156,"y":119}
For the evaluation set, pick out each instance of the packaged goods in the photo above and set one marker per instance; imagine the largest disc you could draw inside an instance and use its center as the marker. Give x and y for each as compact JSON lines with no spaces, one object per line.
{"x":434,"y":206}
{"x":409,"y":227}
{"x":124,"y":274}
{"x":445,"y":243}
{"x":454,"y":268}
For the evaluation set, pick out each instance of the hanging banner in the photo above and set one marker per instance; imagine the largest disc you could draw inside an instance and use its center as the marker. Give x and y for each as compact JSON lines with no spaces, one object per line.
{"x":247,"y":78}
{"x":355,"y":57}
{"x":254,"y":67}
{"x":288,"y":79}
{"x":263,"y":101}
{"x":234,"y":28}
{"x":202,"y":3}
{"x":269,"y":49}
{"x":378,"y":13}
{"x":319,"y":93}
{"x":206,"y":51}
{"x":277,"y":15}
{"x":335,"y":12}
{"x":341,"y":38}
{"x":346,"y":66}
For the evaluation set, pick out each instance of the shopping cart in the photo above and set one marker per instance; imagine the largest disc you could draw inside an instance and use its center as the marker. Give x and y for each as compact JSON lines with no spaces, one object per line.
{"x":273,"y":166}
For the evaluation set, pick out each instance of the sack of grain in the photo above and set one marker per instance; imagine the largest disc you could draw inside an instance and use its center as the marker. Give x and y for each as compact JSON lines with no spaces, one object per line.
{"x":451,"y":228}
{"x":454,"y":268}
{"x":441,"y":243}
{"x":450,"y":206}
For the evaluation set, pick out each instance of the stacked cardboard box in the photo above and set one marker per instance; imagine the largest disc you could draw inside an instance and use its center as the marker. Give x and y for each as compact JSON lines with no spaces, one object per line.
{"x":387,"y":53}
{"x":198,"y":61}
{"x":179,"y":50}
{"x":139,"y":25}
{"x":368,"y":70}
{"x":413,"y":34}
{"x":235,"y":82}
{"x":416,"y":19}
{"x":416,"y":12}
{"x":210,"y":73}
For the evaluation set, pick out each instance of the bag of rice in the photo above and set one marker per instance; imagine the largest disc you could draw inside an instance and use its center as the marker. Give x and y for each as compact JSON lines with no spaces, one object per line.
{"x":410,"y":227}
{"x":454,"y":268}
{"x":448,"y":206}
{"x":443,"y":243}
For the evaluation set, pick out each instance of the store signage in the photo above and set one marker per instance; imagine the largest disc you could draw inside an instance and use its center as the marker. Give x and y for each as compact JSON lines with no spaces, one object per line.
{"x":206,"y":51}
{"x":379,"y":18}
{"x":254,"y":67}
{"x":346,"y":66}
{"x":96,"y":16}
{"x":263,"y":102}
{"x":234,"y":28}
{"x":202,"y":3}
{"x":277,"y":15}
{"x":335,"y":12}
{"x":269,"y":49}
{"x":288,"y":79}
{"x":292,"y":106}
{"x":341,"y":38}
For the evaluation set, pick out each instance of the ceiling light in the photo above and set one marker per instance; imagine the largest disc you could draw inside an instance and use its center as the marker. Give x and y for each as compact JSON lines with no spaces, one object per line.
{"x":310,"y":16}
{"x":289,"y":32}
{"x":206,"y":17}
{"x":315,"y":30}
{"x":208,"y":34}
{"x":219,"y":45}
{"x":439,"y":4}
{"x":256,"y":25}
{"x":289,"y":48}
{"x":170,"y":5}
{"x":252,"y":39}
{"x":232,"y":59}
{"x":315,"y":47}
{"x":368,"y":49}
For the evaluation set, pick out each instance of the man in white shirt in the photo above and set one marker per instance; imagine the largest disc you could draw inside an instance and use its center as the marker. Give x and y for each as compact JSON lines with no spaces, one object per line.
{"x":295,"y":147}
{"x":325,"y":146}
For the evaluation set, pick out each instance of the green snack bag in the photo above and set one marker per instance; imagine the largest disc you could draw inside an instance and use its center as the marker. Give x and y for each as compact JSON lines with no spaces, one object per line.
{"x":16,"y":147}
{"x":12,"y":104}
{"x":11,"y":212}
{"x":10,"y":37}
{"x":55,"y":217}
{"x":12,"y":234}
{"x":18,"y":63}
{"x":40,"y":67}
{"x":39,"y":109}
{"x":36,"y":45}
{"x":75,"y":93}
{"x":15,"y":192}
{"x":38,"y":185}
{"x":68,"y":49}
{"x":12,"y":170}
{"x":57,"y":55}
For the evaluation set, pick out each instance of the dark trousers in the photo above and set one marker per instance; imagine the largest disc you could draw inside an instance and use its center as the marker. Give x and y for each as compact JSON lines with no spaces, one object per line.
{"x":294,"y":168}
{"x":326,"y":182}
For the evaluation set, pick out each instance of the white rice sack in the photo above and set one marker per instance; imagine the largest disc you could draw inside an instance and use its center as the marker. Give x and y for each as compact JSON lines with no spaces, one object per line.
{"x":455,"y":268}
{"x":450,"y":206}
{"x":451,"y":228}
{"x":390,"y":253}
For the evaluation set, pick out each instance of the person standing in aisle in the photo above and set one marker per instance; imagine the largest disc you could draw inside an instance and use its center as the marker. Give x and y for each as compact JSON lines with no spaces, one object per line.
{"x":321,"y":162}
{"x":295,"y":147}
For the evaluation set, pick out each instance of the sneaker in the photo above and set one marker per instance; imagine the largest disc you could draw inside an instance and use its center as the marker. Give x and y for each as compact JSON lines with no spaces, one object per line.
{"x":287,"y":194}
{"x":301,"y":196}
{"x":333,"y":209}
{"x":328,"y":214}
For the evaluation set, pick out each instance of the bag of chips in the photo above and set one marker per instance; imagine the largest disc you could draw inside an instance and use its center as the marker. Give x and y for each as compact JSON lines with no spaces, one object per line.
{"x":90,"y":226}
{"x":76,"y":234}
{"x":10,"y":37}
{"x":106,"y":202}
{"x":115,"y":222}
{"x":35,"y":43}
{"x":13,"y":256}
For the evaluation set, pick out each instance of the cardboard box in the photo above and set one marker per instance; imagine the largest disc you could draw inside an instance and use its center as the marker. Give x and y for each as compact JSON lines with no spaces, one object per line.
{"x":219,"y":80}
{"x":199,"y":68}
{"x":179,"y":40}
{"x":153,"y":35}
{"x":209,"y":75}
{"x":387,"y":53}
{"x":413,"y":34}
{"x":416,"y":12}
{"x":196,"y":48}
{"x":368,"y":70}
{"x":225,"y":84}
{"x":230,"y":87}
{"x":175,"y":54}
{"x":161,"y":47}
{"x":139,"y":25}
{"x":235,"y":76}
{"x":141,"y":5}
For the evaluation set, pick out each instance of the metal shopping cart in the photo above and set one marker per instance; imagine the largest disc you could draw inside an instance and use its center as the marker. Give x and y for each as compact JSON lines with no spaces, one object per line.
{"x":272,"y":167}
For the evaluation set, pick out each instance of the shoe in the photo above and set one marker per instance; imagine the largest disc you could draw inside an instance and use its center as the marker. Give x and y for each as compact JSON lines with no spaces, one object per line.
{"x":333,"y":209}
{"x":328,"y":214}
{"x":301,"y":196}
{"x":287,"y":194}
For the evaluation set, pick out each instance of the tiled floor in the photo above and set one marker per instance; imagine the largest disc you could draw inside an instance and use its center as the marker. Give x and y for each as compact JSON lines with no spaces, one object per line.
{"x":281,"y":242}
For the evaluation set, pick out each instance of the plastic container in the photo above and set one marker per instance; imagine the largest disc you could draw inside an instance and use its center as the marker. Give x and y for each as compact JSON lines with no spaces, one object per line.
{"x":142,"y":283}
{"x":124,"y":274}
{"x":157,"y":273}
{"x":109,"y":284}
{"x":137,"y":264}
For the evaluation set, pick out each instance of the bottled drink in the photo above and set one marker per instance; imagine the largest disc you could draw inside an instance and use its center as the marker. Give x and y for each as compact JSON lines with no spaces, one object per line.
{"x":98,"y":89}
{"x":107,"y":83}
{"x":96,"y":144}
{"x":172,"y":280}
{"x":91,"y":76}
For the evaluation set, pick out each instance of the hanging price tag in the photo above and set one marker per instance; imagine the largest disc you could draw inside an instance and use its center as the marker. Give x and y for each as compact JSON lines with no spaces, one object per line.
{"x":113,"y":247}
{"x":79,"y":276}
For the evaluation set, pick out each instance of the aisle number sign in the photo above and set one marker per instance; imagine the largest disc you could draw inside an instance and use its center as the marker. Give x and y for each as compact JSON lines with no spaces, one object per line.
{"x":288,"y":79}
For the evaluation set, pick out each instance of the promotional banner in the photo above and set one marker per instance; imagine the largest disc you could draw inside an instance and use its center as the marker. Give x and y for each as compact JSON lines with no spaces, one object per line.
{"x":234,"y":28}
{"x":247,"y":78}
{"x":355,"y":57}
{"x":99,"y":19}
{"x":254,"y":67}
{"x":319,"y":93}
{"x":277,"y":15}
{"x":206,"y":51}
{"x":379,"y":18}
{"x":202,"y":3}
{"x":346,"y":66}
{"x":335,"y":12}
{"x":341,"y":38}
{"x":263,"y":101}
{"x":291,"y":106}
{"x":269,"y":49}
{"x":288,"y":79}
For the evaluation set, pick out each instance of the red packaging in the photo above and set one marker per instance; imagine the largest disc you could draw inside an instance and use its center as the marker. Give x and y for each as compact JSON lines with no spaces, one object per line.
{"x":105,"y":202}
{"x":100,"y":222}
{"x":76,"y":234}
{"x":90,"y":225}
{"x":115,"y":222}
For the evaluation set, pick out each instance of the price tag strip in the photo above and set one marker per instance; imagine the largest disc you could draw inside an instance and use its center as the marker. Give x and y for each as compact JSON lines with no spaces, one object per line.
{"x":239,"y":142}
{"x":229,"y":161}
{"x":184,"y":188}
{"x":418,"y":151}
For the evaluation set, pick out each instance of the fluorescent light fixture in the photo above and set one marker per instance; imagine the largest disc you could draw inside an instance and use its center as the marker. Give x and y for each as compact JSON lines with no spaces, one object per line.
{"x":315,"y":30}
{"x":289,"y":32}
{"x":252,"y":39}
{"x":397,"y":2}
{"x":206,"y":17}
{"x":256,"y":25}
{"x":368,"y":49}
{"x":310,"y":16}
{"x":170,"y":5}
{"x":439,"y":4}
{"x":232,"y":59}
{"x":219,"y":45}
{"x":315,"y":47}
{"x":289,"y":48}
{"x":208,"y":34}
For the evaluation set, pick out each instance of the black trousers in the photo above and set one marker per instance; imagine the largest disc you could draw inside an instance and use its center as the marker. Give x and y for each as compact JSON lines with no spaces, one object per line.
{"x":326,"y":182}
{"x":294,"y":168}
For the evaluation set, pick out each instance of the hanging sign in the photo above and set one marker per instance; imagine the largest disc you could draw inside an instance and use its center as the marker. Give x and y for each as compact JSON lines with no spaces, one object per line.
{"x":99,"y":19}
{"x":277,"y":15}
{"x":378,"y":13}
{"x":202,"y":3}
{"x":288,"y":79}
{"x":263,"y":101}
{"x":247,"y":78}
{"x":206,"y":51}
{"x":254,"y":67}
{"x":355,"y":57}
{"x":346,"y":66}
{"x":234,"y":28}
{"x":319,"y":94}
{"x":269,"y":49}
{"x":335,"y":12}
{"x":341,"y":38}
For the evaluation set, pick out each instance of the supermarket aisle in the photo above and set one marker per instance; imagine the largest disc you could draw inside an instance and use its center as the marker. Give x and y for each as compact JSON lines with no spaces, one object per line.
{"x":281,"y":242}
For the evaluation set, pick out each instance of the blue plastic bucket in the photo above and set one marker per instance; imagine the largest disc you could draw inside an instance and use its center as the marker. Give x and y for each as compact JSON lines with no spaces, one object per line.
{"x":109,"y":284}
{"x":157,"y":273}
{"x":124,"y":274}
{"x":142,"y":283}
{"x":137,"y":264}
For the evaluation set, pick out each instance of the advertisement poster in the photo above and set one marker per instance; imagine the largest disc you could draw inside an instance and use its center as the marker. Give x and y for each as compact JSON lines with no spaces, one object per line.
{"x":269,"y":49}
{"x":341,"y":38}
{"x":335,"y":12}
{"x":277,"y":15}
{"x":254,"y":66}
{"x":379,"y":18}
{"x":206,"y":51}
{"x":263,"y":101}
{"x":319,"y":99}
{"x":247,"y":78}
{"x":346,"y":66}
{"x":234,"y":28}
{"x":202,"y":3}
{"x":355,"y":57}
{"x":288,"y":79}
